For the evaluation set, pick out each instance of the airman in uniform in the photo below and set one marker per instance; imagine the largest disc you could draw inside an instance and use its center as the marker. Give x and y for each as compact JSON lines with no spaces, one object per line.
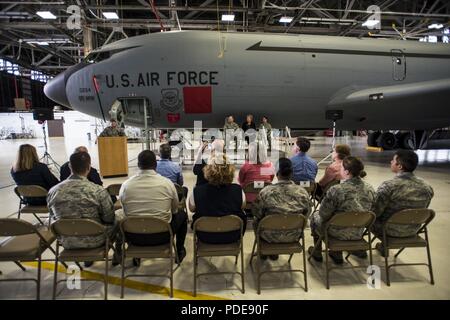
{"x":404,"y":191}
{"x":113,"y":130}
{"x":351,"y":195}
{"x":284,"y":197}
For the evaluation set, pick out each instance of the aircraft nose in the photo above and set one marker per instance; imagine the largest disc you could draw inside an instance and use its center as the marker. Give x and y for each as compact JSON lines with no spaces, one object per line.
{"x":55,"y":90}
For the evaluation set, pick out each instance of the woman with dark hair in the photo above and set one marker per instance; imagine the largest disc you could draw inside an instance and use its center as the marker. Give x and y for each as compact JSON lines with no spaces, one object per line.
{"x":27,"y":170}
{"x":351,"y":195}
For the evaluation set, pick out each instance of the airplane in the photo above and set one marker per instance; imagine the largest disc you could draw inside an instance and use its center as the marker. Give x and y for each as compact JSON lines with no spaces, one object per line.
{"x":300,"y":81}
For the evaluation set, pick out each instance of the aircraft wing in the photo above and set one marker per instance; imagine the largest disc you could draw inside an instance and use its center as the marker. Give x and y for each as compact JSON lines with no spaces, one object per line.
{"x":407,"y":106}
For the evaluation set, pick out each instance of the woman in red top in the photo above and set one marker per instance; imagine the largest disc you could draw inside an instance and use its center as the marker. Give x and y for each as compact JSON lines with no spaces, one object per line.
{"x":333,"y":171}
{"x":256,"y":168}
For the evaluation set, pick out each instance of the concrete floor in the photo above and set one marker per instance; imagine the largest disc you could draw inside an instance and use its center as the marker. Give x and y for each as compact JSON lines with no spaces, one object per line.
{"x":407,"y":282}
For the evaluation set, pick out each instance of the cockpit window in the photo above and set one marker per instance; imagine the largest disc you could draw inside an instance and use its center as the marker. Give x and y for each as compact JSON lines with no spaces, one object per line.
{"x":95,"y":57}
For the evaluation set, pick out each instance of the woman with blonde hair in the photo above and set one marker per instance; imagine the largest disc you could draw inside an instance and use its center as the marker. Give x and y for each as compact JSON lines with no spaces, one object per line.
{"x":217,"y":198}
{"x":27,"y":170}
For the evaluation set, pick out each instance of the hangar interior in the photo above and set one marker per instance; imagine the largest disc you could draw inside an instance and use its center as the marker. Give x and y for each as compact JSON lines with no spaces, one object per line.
{"x":40,"y":39}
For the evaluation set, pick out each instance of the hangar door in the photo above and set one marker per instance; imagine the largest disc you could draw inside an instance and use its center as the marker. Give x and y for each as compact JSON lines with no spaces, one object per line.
{"x":398,"y":65}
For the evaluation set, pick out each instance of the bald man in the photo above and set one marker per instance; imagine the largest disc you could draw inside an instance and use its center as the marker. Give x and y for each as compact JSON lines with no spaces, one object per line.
{"x":93,"y":175}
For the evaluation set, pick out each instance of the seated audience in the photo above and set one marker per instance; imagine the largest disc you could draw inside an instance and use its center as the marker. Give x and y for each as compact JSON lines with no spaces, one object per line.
{"x":150,"y":194}
{"x":78,"y":198}
{"x":217,"y":198}
{"x":169,"y":169}
{"x":404,"y":191}
{"x":256,"y":168}
{"x":351,"y":195}
{"x":305,"y":168}
{"x":283,"y":197}
{"x":333,"y":171}
{"x":27,"y":170}
{"x":93,"y":175}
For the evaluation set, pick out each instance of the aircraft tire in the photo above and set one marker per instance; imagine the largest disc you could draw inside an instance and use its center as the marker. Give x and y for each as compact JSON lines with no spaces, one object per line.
{"x":372,"y":139}
{"x":406,"y":141}
{"x":387,"y":141}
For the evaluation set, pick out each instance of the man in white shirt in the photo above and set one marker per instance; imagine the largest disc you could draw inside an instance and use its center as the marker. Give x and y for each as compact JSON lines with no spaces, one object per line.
{"x":148,"y":193}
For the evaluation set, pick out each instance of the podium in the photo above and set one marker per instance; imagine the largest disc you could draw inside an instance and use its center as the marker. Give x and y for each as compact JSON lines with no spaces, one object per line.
{"x":113,"y":156}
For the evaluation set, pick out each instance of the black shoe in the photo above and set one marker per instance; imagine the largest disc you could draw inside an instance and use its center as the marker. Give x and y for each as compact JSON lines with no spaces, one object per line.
{"x":317,"y":256}
{"x":88,"y":264}
{"x":136,"y":262}
{"x":380,"y":249}
{"x":181,"y":256}
{"x":336,"y":257}
{"x":362,"y":254}
{"x":273,"y":257}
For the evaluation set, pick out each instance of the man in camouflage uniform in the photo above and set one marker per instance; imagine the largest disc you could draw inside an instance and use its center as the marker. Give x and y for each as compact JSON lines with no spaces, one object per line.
{"x":265,"y":125}
{"x":351,"y":195}
{"x":284,"y":197}
{"x":405,"y":191}
{"x":79,"y":198}
{"x":113,"y":130}
{"x":229,"y":127}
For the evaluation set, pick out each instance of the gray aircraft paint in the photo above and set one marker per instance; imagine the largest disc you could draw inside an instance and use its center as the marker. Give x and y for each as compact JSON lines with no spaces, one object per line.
{"x":292,"y":79}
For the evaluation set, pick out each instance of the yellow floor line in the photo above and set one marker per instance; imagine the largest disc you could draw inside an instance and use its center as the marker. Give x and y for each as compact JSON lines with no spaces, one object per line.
{"x":132,"y":284}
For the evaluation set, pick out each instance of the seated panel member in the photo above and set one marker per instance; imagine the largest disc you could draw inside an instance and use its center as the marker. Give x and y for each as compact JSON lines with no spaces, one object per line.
{"x":27,"y":170}
{"x":305,"y":168}
{"x":283,"y":197}
{"x":93,"y":175}
{"x":78,"y":198}
{"x":217,"y":198}
{"x":148,"y":193}
{"x":351,"y":195}
{"x":404,"y":191}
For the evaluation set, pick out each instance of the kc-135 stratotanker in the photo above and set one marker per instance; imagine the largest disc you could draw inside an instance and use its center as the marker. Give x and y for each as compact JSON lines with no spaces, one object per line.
{"x":186,"y":76}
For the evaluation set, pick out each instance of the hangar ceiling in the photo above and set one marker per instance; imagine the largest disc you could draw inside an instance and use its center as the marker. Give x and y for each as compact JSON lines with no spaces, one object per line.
{"x":51,"y":45}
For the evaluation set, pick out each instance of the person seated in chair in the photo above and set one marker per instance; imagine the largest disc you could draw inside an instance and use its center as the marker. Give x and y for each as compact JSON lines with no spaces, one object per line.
{"x":351,"y":195}
{"x":283,"y":197}
{"x":27,"y":170}
{"x":333,"y":171}
{"x":169,"y":169}
{"x":217,"y":198}
{"x":78,"y":198}
{"x":149,"y":194}
{"x":305,"y":168}
{"x":404,"y":191}
{"x":256,"y":168}
{"x":93,"y":175}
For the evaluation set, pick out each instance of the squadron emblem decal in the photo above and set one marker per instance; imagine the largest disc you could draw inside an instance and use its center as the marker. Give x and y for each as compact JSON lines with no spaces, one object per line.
{"x":170,"y":100}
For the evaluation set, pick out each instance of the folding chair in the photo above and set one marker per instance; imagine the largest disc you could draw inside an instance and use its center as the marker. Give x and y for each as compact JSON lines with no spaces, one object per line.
{"x":80,"y":228}
{"x":356,"y":220}
{"x":27,"y":243}
{"x":421,"y":217}
{"x":310,"y":187}
{"x":281,"y":223}
{"x":201,"y":249}
{"x":113,"y":190}
{"x":253,"y":189}
{"x":31,"y":191}
{"x":147,"y":225}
